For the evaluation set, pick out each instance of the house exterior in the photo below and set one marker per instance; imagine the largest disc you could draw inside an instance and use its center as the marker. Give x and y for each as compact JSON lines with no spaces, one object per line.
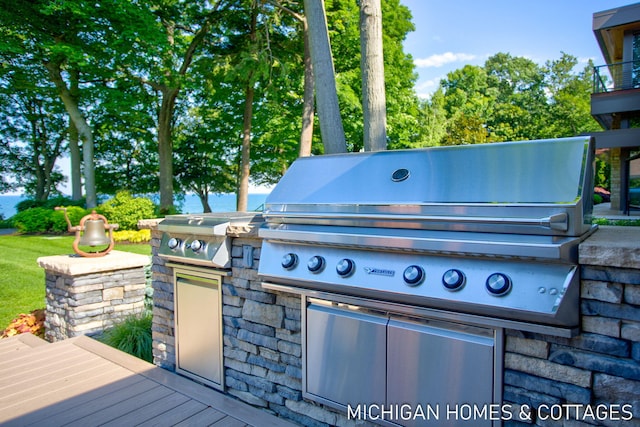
{"x":615,"y":101}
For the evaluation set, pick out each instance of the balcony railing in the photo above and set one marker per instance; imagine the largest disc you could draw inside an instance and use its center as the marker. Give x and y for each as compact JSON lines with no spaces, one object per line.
{"x":618,"y":76}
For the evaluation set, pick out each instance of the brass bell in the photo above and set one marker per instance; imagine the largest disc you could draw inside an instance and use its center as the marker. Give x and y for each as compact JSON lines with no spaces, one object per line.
{"x":94,"y":234}
{"x":94,"y":226}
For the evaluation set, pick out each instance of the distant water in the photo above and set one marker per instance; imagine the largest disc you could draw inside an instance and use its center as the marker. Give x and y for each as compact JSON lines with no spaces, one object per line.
{"x":191,"y":203}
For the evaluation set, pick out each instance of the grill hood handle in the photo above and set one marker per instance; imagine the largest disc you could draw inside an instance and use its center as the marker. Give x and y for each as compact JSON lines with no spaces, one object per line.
{"x":559,"y":222}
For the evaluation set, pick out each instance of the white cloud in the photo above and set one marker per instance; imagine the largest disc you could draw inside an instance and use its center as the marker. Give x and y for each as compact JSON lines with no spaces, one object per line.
{"x":425,"y":89}
{"x":441,"y":59}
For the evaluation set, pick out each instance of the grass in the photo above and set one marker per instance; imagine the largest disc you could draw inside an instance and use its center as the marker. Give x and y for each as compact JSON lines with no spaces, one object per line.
{"x":132,"y":336}
{"x":22,"y":287}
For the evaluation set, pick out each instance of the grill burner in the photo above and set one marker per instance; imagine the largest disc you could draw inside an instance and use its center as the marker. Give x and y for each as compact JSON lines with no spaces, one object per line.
{"x":487,"y":230}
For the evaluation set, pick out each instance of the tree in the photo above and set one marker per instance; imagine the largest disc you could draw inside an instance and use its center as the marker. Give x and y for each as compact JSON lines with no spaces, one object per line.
{"x":331,"y":127}
{"x":512,"y":98}
{"x":60,"y":37}
{"x":33,"y":134}
{"x":372,"y":68}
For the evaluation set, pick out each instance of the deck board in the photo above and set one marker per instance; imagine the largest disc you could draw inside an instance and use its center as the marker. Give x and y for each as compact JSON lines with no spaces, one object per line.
{"x":81,"y":382}
{"x":176,"y":415}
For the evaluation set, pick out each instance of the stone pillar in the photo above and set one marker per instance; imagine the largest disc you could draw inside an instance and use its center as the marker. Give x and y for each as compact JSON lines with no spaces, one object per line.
{"x":87,"y":295}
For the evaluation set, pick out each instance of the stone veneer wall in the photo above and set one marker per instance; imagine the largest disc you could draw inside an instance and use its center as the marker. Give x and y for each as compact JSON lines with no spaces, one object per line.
{"x":87,"y":295}
{"x":600,"y":366}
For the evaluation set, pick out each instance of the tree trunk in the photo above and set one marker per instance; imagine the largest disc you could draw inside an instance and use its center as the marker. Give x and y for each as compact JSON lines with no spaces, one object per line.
{"x":372,"y":67}
{"x":165,"y":148}
{"x":245,"y":164}
{"x":204,"y":200}
{"x":74,"y":157}
{"x":331,"y":127}
{"x":74,"y":146}
{"x":306,"y":135}
{"x":84,"y":131}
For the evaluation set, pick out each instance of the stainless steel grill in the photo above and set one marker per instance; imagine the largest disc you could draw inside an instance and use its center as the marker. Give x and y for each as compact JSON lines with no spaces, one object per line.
{"x":486,"y":230}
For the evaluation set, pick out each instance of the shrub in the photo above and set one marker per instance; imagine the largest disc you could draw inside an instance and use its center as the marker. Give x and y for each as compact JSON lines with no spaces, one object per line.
{"x":26,"y":323}
{"x":49,"y":203}
{"x":34,"y":220}
{"x":597,"y":199}
{"x":126,"y":210}
{"x":132,"y":336}
{"x":132,"y":236}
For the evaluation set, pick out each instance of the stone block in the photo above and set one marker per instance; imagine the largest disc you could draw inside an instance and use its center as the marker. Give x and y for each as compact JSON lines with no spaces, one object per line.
{"x":596,"y":362}
{"x":613,"y":311}
{"x":570,"y":392}
{"x":602,"y":291}
{"x":312,"y":411}
{"x":267,"y":314}
{"x":258,"y":328}
{"x":252,"y":381}
{"x":630,"y":331}
{"x":249,"y":398}
{"x":258,"y":371}
{"x":290,"y":348}
{"x":532,"y":399}
{"x":292,"y":313}
{"x":528,"y":347}
{"x":269,"y":354}
{"x":294,"y":372}
{"x":601,"y":325}
{"x":269,"y":397}
{"x":291,"y":333}
{"x":610,"y":274}
{"x":285,"y":380}
{"x":601,"y":344}
{"x":265,"y":363}
{"x":615,"y":389}
{"x":547,"y":369}
{"x":113,"y":293}
{"x":291,"y":360}
{"x":258,"y":296}
{"x":235,"y":384}
{"x":257,"y":339}
{"x":635,"y":351}
{"x":288,"y":393}
{"x":632,"y":294}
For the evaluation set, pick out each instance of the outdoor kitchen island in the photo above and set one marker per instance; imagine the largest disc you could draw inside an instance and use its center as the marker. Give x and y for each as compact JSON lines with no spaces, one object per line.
{"x":293,"y":334}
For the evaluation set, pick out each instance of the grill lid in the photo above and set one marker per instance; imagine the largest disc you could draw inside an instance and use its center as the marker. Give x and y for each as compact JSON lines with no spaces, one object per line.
{"x":531,"y":187}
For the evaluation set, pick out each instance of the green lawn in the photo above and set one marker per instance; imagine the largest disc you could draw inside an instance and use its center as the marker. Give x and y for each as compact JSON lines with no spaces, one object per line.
{"x":22,"y":279}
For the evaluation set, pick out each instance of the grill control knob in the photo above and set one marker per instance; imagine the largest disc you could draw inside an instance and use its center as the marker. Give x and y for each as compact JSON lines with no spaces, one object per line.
{"x":345,"y":267}
{"x":289,"y":261}
{"x":197,"y":245}
{"x":315,"y":264}
{"x":498,"y":284}
{"x":173,"y":243}
{"x":413,"y":275}
{"x":453,"y":279}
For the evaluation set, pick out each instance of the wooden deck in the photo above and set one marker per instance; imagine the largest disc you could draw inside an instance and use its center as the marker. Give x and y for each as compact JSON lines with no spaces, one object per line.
{"x":82,"y":382}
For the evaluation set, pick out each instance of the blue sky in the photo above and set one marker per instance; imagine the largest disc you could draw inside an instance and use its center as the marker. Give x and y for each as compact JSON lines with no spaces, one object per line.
{"x":452,"y":33}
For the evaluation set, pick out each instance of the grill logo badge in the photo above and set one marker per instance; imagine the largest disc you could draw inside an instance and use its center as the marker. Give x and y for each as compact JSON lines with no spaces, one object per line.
{"x":379,"y":271}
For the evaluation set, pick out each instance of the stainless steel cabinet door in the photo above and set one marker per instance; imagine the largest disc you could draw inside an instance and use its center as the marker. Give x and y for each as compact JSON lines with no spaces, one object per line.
{"x":446,"y":366}
{"x":346,"y":355}
{"x":198,"y":328}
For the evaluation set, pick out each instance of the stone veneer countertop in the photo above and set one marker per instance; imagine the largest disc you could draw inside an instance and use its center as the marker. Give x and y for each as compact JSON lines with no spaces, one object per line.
{"x":75,"y":265}
{"x":612,"y":247}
